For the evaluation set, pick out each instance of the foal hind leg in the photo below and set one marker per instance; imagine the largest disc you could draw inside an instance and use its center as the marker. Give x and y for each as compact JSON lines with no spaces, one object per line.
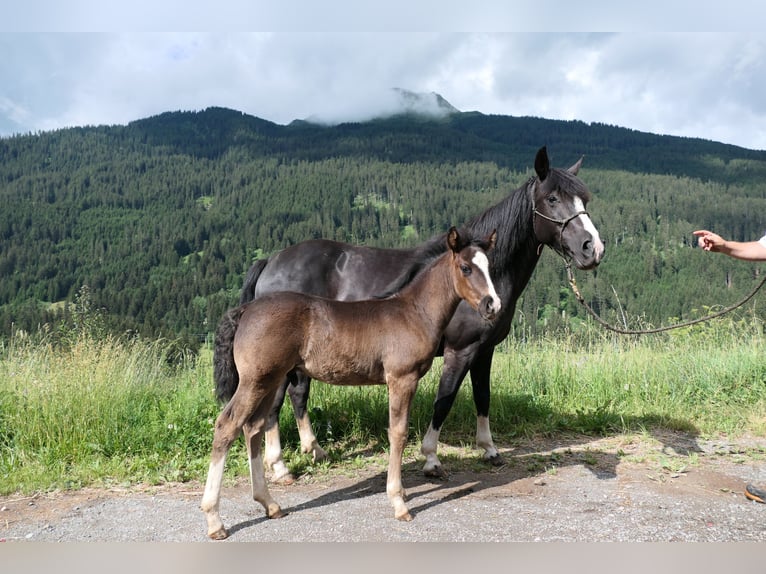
{"x":245,"y":406}
{"x":227,"y":430}
{"x":260,"y":490}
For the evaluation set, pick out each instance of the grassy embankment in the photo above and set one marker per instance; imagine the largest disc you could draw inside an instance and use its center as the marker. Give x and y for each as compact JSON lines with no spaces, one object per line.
{"x":108,"y":412}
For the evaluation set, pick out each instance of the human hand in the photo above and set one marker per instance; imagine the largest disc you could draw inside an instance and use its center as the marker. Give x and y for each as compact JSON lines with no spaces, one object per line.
{"x":708,"y":240}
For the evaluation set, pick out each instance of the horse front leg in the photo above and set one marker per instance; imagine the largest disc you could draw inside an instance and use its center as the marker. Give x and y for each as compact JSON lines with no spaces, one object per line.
{"x":453,"y":372}
{"x":400,"y":395}
{"x":480,"y":382}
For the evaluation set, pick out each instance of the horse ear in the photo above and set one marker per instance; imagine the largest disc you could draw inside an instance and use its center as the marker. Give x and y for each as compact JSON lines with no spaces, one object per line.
{"x":491,"y":240}
{"x":542,"y":165}
{"x":453,"y":239}
{"x":576,"y":167}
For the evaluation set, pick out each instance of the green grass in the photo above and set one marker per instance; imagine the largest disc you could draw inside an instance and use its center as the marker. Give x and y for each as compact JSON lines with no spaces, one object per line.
{"x":103,"y":412}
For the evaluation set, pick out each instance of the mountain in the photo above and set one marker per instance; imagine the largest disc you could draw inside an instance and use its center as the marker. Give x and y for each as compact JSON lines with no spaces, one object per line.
{"x":154,"y":223}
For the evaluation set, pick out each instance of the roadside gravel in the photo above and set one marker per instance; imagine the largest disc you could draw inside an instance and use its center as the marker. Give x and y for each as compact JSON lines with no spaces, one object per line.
{"x":673,"y":488}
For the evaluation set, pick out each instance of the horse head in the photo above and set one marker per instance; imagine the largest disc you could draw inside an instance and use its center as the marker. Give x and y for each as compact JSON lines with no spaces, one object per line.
{"x":561,"y":221}
{"x":471,"y":272}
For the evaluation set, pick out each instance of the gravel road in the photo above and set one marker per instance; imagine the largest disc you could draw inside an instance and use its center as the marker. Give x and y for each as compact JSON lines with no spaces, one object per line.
{"x":662,"y":489}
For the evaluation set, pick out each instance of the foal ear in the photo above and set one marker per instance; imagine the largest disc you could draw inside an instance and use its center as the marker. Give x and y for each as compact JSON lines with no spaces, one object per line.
{"x":542,"y":165}
{"x":453,"y":239}
{"x":576,"y":167}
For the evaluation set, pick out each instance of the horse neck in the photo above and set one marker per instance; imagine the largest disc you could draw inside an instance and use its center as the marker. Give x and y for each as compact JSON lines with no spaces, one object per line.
{"x":433,"y":295}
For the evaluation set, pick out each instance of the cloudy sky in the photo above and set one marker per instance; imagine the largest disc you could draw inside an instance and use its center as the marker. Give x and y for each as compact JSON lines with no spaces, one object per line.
{"x":111,"y":63}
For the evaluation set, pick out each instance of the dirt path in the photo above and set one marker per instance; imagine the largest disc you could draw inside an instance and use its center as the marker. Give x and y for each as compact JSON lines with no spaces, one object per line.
{"x":671,"y":488}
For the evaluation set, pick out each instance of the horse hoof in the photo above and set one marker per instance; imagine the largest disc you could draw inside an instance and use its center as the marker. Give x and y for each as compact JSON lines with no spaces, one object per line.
{"x":406,"y":517}
{"x":279,"y":513}
{"x":435,"y":472}
{"x":220,"y":534}
{"x":496,"y":460}
{"x":319,"y":454}
{"x":284,"y":480}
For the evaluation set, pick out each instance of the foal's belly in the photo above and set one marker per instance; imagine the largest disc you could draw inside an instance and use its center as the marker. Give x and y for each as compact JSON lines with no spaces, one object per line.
{"x":335,"y":371}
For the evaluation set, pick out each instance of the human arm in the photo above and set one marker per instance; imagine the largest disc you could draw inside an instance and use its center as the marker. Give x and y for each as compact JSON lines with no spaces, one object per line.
{"x":745,"y":250}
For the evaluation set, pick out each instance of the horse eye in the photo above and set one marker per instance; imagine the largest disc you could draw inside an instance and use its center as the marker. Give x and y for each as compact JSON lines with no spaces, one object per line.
{"x":466,"y":269}
{"x":552,"y":199}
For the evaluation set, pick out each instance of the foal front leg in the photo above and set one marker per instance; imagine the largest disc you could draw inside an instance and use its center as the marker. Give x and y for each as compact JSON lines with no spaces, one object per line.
{"x":400,"y":395}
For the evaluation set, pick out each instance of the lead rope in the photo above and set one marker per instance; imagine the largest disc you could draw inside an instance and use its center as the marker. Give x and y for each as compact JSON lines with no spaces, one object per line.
{"x":581,"y":299}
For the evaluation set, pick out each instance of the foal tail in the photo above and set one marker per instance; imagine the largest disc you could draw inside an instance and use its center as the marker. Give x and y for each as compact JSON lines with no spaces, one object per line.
{"x":224,"y":370}
{"x":248,"y":288}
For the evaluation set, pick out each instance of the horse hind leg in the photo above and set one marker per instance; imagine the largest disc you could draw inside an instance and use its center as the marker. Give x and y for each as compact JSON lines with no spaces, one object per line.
{"x":300,"y":385}
{"x":480,"y":373}
{"x":280,"y":474}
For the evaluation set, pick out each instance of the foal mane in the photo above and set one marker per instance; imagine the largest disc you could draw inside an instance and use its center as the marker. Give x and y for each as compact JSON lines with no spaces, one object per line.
{"x":425,"y":255}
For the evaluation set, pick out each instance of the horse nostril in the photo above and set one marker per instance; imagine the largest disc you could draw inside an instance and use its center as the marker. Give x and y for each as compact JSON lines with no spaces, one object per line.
{"x":586,"y":246}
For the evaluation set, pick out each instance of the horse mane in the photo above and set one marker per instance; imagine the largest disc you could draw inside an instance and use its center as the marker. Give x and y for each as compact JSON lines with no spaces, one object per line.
{"x":512,"y":213}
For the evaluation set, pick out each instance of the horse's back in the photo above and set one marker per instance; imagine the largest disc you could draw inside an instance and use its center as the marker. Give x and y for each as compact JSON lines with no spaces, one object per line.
{"x":340,"y":271}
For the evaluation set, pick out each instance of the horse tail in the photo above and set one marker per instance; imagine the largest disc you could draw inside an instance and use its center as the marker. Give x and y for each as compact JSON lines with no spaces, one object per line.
{"x":248,"y":288}
{"x":225,"y":372}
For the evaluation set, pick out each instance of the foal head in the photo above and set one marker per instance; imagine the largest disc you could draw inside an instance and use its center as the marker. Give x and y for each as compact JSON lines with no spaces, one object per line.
{"x":470,"y":272}
{"x":560,"y":219}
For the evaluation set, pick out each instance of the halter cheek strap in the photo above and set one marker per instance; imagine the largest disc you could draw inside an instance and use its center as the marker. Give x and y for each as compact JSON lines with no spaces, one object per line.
{"x":562,"y":222}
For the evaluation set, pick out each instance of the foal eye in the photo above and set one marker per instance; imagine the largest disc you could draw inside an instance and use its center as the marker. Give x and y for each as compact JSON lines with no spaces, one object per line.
{"x":465,"y":269}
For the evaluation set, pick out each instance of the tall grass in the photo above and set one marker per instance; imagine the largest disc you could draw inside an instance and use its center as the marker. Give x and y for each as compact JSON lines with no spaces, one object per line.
{"x":101,"y":411}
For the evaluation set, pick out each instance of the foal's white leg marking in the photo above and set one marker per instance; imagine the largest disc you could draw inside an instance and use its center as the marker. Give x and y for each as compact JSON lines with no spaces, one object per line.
{"x":484,"y":438}
{"x":260,"y":489}
{"x":587,"y":224}
{"x":309,"y":442}
{"x":273,"y":455}
{"x":211,"y":497}
{"x":428,"y":449}
{"x":482,"y":262}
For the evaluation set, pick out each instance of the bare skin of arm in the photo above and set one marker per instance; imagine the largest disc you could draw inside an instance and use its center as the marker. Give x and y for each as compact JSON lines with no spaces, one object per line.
{"x":744,"y":250}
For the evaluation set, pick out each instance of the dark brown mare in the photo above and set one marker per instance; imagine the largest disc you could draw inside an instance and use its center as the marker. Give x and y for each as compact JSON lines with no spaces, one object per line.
{"x":549,"y":209}
{"x":389,"y":341}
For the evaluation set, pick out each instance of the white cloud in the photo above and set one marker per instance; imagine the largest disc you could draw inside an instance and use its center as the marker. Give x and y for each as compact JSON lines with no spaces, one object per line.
{"x":700,"y":85}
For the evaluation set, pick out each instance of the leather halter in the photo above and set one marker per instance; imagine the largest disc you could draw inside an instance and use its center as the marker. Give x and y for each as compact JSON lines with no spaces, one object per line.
{"x":562,"y":222}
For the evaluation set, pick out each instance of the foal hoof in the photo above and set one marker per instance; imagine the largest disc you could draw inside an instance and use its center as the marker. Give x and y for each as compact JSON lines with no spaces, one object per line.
{"x":278,"y":513}
{"x":496,"y":460}
{"x":220,"y":534}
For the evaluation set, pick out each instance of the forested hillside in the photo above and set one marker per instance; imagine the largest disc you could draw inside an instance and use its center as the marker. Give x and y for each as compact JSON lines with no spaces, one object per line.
{"x":156,"y":222}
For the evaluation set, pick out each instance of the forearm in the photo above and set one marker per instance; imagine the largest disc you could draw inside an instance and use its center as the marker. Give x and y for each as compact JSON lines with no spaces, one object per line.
{"x":745,"y":250}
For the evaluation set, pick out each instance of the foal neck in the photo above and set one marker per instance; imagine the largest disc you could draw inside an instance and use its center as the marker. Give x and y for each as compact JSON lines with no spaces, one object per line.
{"x":433,"y":292}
